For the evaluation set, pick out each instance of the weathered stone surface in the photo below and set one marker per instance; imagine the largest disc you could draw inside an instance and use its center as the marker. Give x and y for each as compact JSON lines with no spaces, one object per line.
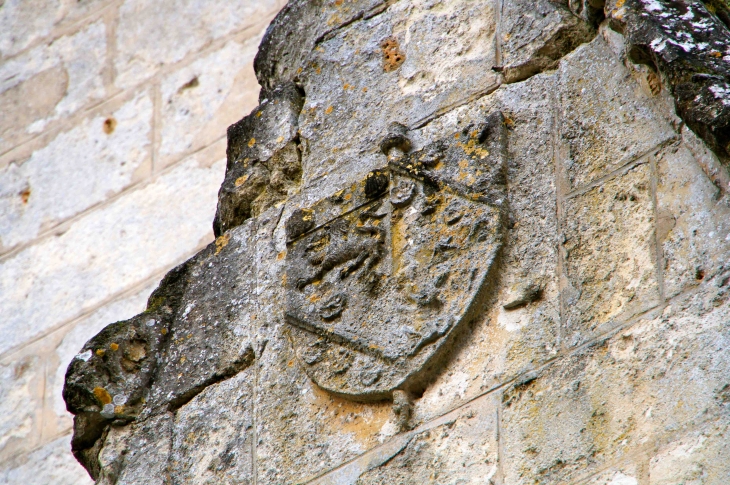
{"x":605,"y":120}
{"x":200,"y":100}
{"x":42,"y":191}
{"x":56,"y":280}
{"x":24,"y":22}
{"x":142,"y":45}
{"x":50,"y":82}
{"x":536,"y":35}
{"x":689,"y":45}
{"x":575,"y":364}
{"x":215,"y":451}
{"x":657,"y":379}
{"x":610,"y":254}
{"x":463,"y":448}
{"x":693,"y":224}
{"x":353,"y":91}
{"x":264,"y":159}
{"x":21,"y":391}
{"x":49,"y":464}
{"x":408,"y":237}
{"x":279,"y":59}
{"x":137,"y":453}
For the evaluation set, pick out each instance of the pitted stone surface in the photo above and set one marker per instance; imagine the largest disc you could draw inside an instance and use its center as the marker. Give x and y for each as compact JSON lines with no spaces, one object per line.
{"x":385,"y":270}
{"x":457,"y":242}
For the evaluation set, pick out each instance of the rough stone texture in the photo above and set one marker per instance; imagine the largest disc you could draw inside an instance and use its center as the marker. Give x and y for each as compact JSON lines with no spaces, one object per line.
{"x":50,"y":82}
{"x":688,"y":42}
{"x":102,"y":169}
{"x":200,"y":100}
{"x":594,"y":352}
{"x":143,"y":45}
{"x":32,"y":199}
{"x":49,"y":464}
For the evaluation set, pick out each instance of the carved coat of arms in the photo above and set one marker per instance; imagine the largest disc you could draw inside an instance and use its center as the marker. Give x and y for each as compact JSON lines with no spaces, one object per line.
{"x":381,"y":275}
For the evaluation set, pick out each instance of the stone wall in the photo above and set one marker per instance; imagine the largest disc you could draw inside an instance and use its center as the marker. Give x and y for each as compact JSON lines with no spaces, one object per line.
{"x":112,"y":149}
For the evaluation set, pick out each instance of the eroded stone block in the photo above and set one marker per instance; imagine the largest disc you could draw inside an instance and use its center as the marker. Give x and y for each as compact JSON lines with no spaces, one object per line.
{"x":355,"y":86}
{"x":102,"y":156}
{"x":659,"y":378}
{"x":606,"y":120}
{"x":693,"y":224}
{"x":610,"y":254}
{"x":217,"y":451}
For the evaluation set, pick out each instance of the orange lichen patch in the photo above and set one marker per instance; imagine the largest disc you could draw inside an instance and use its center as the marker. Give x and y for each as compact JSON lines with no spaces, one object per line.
{"x":259,"y":113}
{"x":163,"y":331}
{"x":280,"y":256}
{"x":509,"y":123}
{"x":241,"y":180}
{"x":100,"y":352}
{"x":183,"y":359}
{"x":109,"y":125}
{"x":328,"y":110}
{"x":290,"y":363}
{"x":620,"y":3}
{"x":251,"y":142}
{"x":102,"y":395}
{"x":118,"y":409}
{"x":392,"y":55}
{"x":25,"y":195}
{"x":114,"y":346}
{"x":221,"y":242}
{"x":280,"y":139}
{"x":364,"y":90}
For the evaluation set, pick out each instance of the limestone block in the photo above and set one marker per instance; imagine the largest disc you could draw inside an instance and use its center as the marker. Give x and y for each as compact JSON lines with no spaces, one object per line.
{"x":280,"y":59}
{"x":214,"y":310}
{"x":458,"y":448}
{"x":504,"y":342}
{"x":72,"y":339}
{"x":137,"y":453}
{"x":693,"y":226}
{"x":78,"y":169}
{"x":650,"y":382}
{"x":107,"y":251}
{"x":606,"y":119}
{"x":534,"y":36}
{"x":201,"y":100}
{"x":21,"y":397}
{"x":701,"y":457}
{"x":404,"y":65}
{"x":624,"y":475}
{"x":152,"y":34}
{"x":51,"y":463}
{"x":50,"y":82}
{"x":215,"y":451}
{"x":610,"y":256}
{"x":301,"y":430}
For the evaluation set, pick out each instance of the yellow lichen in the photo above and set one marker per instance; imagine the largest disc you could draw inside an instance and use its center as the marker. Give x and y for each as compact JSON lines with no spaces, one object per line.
{"x":221,"y":242}
{"x":241,"y":180}
{"x":114,"y":346}
{"x":251,"y":142}
{"x":102,"y":395}
{"x":328,"y":110}
{"x":100,"y":352}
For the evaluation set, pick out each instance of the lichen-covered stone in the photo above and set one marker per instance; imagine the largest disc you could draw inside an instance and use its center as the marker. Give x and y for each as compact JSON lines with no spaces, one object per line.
{"x":510,"y":166}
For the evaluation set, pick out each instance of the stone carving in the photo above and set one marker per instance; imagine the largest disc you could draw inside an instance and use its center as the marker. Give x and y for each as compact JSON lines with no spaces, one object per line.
{"x":381,"y":274}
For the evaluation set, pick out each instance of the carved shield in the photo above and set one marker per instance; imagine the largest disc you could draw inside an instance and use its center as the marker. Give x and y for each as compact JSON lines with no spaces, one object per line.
{"x":381,"y":275}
